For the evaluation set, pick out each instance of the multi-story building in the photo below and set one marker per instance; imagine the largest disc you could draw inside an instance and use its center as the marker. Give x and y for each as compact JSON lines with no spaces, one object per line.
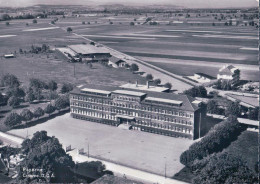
{"x":156,"y":112}
{"x":230,"y":73}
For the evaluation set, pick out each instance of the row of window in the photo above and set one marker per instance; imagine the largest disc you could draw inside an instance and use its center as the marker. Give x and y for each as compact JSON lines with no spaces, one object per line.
{"x":168,"y":127}
{"x":143,"y":123}
{"x":131,"y":99}
{"x":93,"y":114}
{"x":147,"y":116}
{"x":143,"y":108}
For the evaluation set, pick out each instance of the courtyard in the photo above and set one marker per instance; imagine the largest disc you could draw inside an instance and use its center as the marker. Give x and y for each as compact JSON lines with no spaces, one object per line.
{"x":141,"y":150}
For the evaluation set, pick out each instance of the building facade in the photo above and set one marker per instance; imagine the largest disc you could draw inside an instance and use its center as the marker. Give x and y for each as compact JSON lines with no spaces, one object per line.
{"x":161,"y":113}
{"x":230,"y":73}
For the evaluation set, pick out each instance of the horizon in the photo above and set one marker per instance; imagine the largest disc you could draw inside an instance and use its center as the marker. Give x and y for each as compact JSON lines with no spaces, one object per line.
{"x":213,"y":4}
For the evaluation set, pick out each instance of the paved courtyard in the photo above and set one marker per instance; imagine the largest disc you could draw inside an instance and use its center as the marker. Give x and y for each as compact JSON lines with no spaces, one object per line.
{"x":141,"y":150}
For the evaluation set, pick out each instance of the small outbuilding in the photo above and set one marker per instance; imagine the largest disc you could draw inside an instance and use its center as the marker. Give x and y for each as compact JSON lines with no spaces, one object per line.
{"x":9,"y":56}
{"x":116,"y":62}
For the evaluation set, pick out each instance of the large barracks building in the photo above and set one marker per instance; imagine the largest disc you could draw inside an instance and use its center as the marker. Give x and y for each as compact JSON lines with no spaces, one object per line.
{"x":140,"y":108}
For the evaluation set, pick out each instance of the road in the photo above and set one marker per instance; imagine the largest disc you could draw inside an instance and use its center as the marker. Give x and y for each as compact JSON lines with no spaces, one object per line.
{"x":127,"y":171}
{"x":178,"y":82}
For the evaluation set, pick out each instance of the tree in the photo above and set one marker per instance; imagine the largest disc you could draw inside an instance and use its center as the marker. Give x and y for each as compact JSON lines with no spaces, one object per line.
{"x":226,"y":85}
{"x":83,"y":22}
{"x":49,"y":109}
{"x":168,"y":85}
{"x":127,"y":65}
{"x":52,"y":22}
{"x":7,"y":23}
{"x":149,"y":77}
{"x":36,"y":85}
{"x":132,"y":23}
{"x":253,"y":113}
{"x":45,"y":153}
{"x":13,"y":101}
{"x":34,"y":21}
{"x":233,"y":108}
{"x":13,"y":119}
{"x":10,"y":80}
{"x":5,"y":17}
{"x":26,"y":115}
{"x":212,"y":107}
{"x":30,"y":96}
{"x":157,"y":82}
{"x":218,"y":138}
{"x":66,"y":87}
{"x":196,"y":91}
{"x":134,"y":67}
{"x":51,"y":95}
{"x":225,"y":168}
{"x":15,"y":91}
{"x":52,"y":85}
{"x":69,"y":29}
{"x":202,"y":91}
{"x":62,"y":102}
{"x":38,"y":112}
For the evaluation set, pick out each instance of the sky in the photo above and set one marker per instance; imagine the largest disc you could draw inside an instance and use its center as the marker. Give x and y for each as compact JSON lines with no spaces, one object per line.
{"x":185,"y":3}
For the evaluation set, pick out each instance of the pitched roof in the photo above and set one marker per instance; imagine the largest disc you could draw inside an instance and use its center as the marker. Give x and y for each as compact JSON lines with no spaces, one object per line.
{"x":227,"y":70}
{"x":115,"y":60}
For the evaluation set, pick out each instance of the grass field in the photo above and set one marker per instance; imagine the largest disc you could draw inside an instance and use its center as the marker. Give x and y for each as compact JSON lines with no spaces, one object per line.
{"x":39,"y":66}
{"x":138,"y":149}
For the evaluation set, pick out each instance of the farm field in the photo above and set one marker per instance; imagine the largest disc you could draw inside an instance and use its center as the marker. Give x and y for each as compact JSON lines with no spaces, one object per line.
{"x":185,"y":44}
{"x":208,"y":44}
{"x":142,"y":150}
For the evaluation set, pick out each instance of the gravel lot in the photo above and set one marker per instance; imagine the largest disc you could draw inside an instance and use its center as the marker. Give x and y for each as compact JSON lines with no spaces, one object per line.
{"x":142,"y":150}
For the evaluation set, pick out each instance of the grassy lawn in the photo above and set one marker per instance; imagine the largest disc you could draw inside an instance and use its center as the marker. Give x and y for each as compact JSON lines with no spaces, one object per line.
{"x":142,"y":150}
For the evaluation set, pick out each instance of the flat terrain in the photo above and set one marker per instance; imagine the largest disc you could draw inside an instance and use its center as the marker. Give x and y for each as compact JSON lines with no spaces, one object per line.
{"x":39,"y":66}
{"x":137,"y":149}
{"x":182,"y":49}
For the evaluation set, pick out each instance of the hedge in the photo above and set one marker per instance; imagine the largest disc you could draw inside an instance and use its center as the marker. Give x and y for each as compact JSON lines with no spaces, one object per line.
{"x":218,"y":138}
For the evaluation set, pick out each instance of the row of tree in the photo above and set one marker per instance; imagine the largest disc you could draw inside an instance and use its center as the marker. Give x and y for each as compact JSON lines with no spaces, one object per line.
{"x":222,"y":168}
{"x":218,"y":138}
{"x":197,"y":91}
{"x":149,"y":77}
{"x":14,"y":119}
{"x":15,"y":94}
{"x":232,"y":108}
{"x":5,"y":17}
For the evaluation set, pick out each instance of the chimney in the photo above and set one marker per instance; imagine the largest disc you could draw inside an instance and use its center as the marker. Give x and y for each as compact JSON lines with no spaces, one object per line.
{"x":136,"y":83}
{"x":148,"y":84}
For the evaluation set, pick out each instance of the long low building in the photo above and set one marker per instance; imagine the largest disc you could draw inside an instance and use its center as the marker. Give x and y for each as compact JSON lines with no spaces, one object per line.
{"x":156,"y":112}
{"x":90,"y":52}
